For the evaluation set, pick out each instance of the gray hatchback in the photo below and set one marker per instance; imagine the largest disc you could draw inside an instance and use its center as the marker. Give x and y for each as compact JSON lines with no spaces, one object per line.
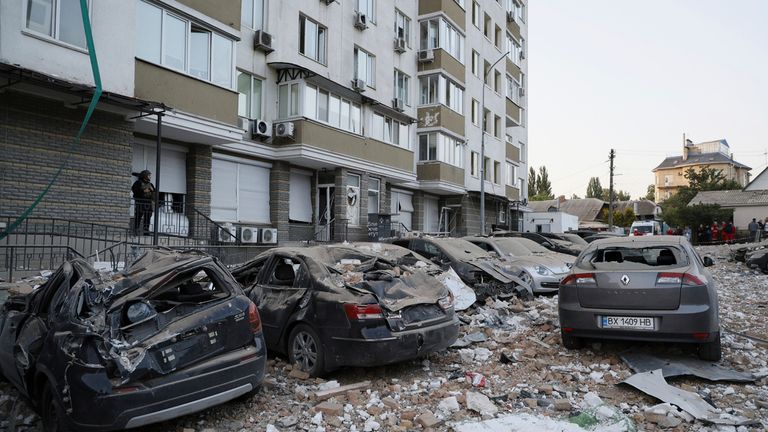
{"x":641,"y":288}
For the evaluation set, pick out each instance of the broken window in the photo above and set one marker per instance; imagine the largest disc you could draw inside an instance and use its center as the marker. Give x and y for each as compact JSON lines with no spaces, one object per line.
{"x":637,"y":257}
{"x":288,"y":273}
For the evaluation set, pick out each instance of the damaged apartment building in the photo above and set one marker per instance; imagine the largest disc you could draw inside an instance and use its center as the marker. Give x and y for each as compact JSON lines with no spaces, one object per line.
{"x":282,"y":121}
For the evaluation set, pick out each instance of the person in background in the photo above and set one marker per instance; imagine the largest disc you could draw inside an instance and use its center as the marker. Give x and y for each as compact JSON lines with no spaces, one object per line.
{"x":729,"y":232}
{"x":752,"y":227}
{"x":715,"y":231}
{"x":760,"y":228}
{"x":765,"y":229}
{"x":143,"y":195}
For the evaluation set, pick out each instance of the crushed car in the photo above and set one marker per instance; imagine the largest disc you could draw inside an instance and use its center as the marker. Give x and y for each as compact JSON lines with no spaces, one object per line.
{"x":542,"y":272}
{"x":486,"y":274}
{"x":647,"y":288}
{"x":336,"y":305}
{"x":170,"y":335}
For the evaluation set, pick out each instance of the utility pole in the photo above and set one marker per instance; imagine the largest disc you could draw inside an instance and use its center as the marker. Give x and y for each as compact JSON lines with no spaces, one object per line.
{"x":612,"y":156}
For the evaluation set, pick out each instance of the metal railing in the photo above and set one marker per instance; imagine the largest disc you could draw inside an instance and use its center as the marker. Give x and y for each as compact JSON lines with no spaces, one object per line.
{"x":172,"y":219}
{"x":33,"y":258}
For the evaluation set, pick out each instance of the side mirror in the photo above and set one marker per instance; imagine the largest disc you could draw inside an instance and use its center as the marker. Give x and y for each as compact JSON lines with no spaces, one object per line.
{"x":708,"y":261}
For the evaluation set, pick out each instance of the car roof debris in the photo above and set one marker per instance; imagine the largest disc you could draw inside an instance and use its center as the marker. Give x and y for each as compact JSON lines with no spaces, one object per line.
{"x":678,"y":365}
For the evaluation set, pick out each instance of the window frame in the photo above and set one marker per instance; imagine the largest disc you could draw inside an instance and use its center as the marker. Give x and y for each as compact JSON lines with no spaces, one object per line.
{"x":374,"y":192}
{"x":252,"y":25}
{"x":403,"y":92}
{"x":474,"y":158}
{"x":370,"y":67}
{"x":441,"y":147}
{"x":369,"y":10}
{"x":352,"y":107}
{"x":320,"y":39}
{"x":400,"y":15}
{"x":252,"y":79}
{"x":55,"y":25}
{"x":477,"y":13}
{"x":389,"y":126}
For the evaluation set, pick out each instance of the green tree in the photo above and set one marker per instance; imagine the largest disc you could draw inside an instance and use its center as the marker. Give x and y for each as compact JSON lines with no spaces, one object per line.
{"x":532,"y":184}
{"x":617,"y":195}
{"x":594,"y":188}
{"x":543,"y":185}
{"x":650,"y":193}
{"x":675,"y":209}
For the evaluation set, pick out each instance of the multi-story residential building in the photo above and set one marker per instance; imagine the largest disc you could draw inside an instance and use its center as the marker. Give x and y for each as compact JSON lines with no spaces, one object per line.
{"x":314,"y":118}
{"x":670,"y":174}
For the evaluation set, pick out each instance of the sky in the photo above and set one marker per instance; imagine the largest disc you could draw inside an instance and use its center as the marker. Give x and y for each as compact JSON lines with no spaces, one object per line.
{"x":636,"y":76}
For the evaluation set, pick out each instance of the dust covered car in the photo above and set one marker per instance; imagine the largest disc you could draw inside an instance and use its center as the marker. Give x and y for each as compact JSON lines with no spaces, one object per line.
{"x":486,"y":274}
{"x":332,"y":306}
{"x":172,"y":334}
{"x":650,"y":288}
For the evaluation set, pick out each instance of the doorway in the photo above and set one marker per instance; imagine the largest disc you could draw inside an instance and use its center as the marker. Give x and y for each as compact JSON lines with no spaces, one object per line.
{"x":325,"y":212}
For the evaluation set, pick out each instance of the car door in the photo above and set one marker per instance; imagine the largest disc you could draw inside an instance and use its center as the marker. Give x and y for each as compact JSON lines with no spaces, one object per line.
{"x":282,"y":285}
{"x":24,"y":331}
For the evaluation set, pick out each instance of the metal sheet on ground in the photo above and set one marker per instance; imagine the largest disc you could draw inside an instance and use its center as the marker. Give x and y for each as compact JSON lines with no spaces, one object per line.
{"x":672,"y":366}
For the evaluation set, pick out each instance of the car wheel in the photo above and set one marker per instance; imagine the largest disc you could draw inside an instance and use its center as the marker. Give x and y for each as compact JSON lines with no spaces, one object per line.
{"x":571,"y":342}
{"x":306,"y":350}
{"x":51,"y":412}
{"x":711,"y":351}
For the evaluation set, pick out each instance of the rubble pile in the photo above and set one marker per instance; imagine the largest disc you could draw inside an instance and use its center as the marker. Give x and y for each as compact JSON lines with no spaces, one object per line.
{"x":507,"y":371}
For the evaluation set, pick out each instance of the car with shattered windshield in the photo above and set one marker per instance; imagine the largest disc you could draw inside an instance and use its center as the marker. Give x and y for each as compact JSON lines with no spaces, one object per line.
{"x":486,"y":274}
{"x":542,"y":271}
{"x":170,"y":335}
{"x":333,"y":305}
{"x":648,"y":288}
{"x":553,"y":244}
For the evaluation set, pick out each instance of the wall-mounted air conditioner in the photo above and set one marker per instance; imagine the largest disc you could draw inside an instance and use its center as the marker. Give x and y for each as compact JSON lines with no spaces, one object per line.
{"x":226,"y":233}
{"x":263,"y":41}
{"x":361,"y":21}
{"x":249,"y":235}
{"x":285,"y":130}
{"x":426,"y":56}
{"x":261,"y":129}
{"x":358,"y":85}
{"x":398,"y":104}
{"x":269,"y":235}
{"x":400,"y":45}
{"x":510,"y":16}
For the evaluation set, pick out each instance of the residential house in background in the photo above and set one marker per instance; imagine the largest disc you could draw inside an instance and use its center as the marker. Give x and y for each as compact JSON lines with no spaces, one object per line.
{"x":290,"y":120}
{"x":669,"y":174}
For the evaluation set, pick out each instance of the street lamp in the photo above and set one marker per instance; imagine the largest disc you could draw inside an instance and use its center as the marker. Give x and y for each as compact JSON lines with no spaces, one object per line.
{"x":482,"y":146}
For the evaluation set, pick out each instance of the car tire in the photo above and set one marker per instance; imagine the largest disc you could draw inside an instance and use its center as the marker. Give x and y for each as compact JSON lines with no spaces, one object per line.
{"x":570,"y":341}
{"x":51,"y":411}
{"x":711,"y":351}
{"x":305,"y":350}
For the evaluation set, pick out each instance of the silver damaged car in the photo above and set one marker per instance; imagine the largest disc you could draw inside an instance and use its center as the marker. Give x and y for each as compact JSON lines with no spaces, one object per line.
{"x":641,"y":288}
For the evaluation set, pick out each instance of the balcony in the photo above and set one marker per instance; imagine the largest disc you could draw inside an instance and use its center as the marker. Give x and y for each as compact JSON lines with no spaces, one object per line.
{"x":450,"y":8}
{"x":512,"y":68}
{"x":514,"y":114}
{"x":513,"y":153}
{"x":446,"y":62}
{"x":513,"y":193}
{"x":514,"y":28}
{"x":440,"y":178}
{"x":441,"y":116}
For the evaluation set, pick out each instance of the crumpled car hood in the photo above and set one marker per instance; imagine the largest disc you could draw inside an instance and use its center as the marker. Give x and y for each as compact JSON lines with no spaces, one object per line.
{"x":406,"y":290}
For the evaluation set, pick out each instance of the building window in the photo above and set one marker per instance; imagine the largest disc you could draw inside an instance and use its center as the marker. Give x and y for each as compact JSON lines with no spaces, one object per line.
{"x":249,"y":96}
{"x":402,"y":27}
{"x":475,"y":112}
{"x":497,"y":126}
{"x":667,"y":180}
{"x":166,"y":39}
{"x":474,"y":164}
{"x":497,"y":40}
{"x":486,"y":74}
{"x":388,"y":130}
{"x":487,"y":169}
{"x":252,"y":14}
{"x":497,"y":81}
{"x":59,"y":19}
{"x":239,"y":191}
{"x":312,"y":42}
{"x":513,"y":89}
{"x":402,"y":86}
{"x":511,"y":174}
{"x":439,"y":33}
{"x":461,"y":3}
{"x":476,"y":63}
{"x":428,"y":147}
{"x":288,"y":100}
{"x":332,"y":109}
{"x":514,"y":49}
{"x":365,"y":67}
{"x":435,"y":89}
{"x":522,"y":151}
{"x":486,"y":119}
{"x":435,"y":146}
{"x":476,"y":14}
{"x":487,"y":27}
{"x":368,"y":7}
{"x":374,"y":192}
{"x":300,"y":197}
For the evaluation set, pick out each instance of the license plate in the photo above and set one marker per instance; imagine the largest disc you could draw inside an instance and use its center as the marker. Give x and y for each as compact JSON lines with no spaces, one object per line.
{"x":625,"y":322}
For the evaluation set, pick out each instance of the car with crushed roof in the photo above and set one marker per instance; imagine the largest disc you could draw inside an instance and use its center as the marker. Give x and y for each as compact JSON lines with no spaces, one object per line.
{"x":647,"y":288}
{"x":542,"y":271}
{"x":170,"y":335}
{"x":488,"y":275}
{"x":336,"y":305}
{"x":553,"y":244}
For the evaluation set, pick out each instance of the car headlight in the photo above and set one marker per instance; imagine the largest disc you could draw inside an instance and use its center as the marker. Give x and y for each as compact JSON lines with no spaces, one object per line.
{"x":543,"y":271}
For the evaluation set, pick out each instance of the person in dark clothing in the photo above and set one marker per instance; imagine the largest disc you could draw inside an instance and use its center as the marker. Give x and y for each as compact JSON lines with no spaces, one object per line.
{"x":143,"y":195}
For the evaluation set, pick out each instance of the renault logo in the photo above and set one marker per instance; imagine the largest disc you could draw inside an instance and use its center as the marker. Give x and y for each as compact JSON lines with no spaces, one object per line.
{"x":625,"y":280}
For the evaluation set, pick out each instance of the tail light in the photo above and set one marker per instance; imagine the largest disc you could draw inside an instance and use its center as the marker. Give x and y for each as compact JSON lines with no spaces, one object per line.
{"x":678,"y":278}
{"x":358,"y":312}
{"x":578,"y":279}
{"x":701,"y":336}
{"x":254,"y":318}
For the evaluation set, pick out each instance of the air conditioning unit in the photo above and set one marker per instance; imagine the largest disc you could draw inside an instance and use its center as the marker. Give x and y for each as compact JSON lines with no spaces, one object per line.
{"x":249,"y":235}
{"x":511,"y":16}
{"x":261,"y":129}
{"x":522,"y":54}
{"x":398,"y":104}
{"x":269,"y":235}
{"x":244,"y":124}
{"x":358,"y":85}
{"x":263,"y":41}
{"x":521,"y":91}
{"x":285,"y":130}
{"x":226,"y":233}
{"x":426,"y":56}
{"x":361,"y":21}
{"x":400,"y":45}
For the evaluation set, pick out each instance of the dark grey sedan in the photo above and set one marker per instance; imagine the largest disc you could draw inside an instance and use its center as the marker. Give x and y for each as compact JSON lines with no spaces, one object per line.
{"x":641,"y":288}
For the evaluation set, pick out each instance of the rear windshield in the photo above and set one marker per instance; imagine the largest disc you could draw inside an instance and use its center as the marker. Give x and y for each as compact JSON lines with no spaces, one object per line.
{"x":643,"y":228}
{"x":628,"y":257}
{"x":531,"y":245}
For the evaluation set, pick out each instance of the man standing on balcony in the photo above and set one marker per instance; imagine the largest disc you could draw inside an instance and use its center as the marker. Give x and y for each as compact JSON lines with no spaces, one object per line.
{"x":143,"y":194}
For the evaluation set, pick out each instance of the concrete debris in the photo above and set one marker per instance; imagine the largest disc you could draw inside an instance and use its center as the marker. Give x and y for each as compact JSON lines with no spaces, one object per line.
{"x":329,"y":393}
{"x":480,"y":403}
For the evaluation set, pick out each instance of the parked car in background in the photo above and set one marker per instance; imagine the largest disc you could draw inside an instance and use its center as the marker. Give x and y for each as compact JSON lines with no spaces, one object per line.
{"x":645,"y":228}
{"x":541,"y":271}
{"x":577,"y":241}
{"x":333,"y":306}
{"x":486,"y":274}
{"x":583,"y":232}
{"x":641,"y":288}
{"x":551,"y":244}
{"x":602,"y":235}
{"x":170,"y":335}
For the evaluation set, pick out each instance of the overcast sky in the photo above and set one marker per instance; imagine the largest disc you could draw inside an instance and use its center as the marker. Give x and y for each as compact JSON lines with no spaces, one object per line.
{"x":635,"y":76}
